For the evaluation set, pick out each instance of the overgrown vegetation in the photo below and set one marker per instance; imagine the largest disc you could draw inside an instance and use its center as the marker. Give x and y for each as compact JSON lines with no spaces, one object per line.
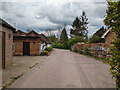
{"x":86,"y":51}
{"x":44,"y":53}
{"x":49,"y":49}
{"x":60,"y":46}
{"x":112,"y":20}
{"x":78,"y":33}
{"x":96,"y":38}
{"x":33,"y":65}
{"x":16,"y":77}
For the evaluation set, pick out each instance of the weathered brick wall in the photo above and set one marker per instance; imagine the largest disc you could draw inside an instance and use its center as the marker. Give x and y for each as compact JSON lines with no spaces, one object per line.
{"x":34,"y":48}
{"x":100,"y":50}
{"x":0,"y":49}
{"x":18,"y":46}
{"x":34,"y":45}
{"x":110,"y":37}
{"x":8,"y":47}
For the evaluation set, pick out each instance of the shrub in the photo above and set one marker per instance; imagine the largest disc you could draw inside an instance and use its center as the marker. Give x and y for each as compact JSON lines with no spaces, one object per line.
{"x":80,"y":52}
{"x":44,"y":53}
{"x":86,"y":51}
{"x":96,"y":39}
{"x":60,"y":46}
{"x":49,"y":49}
{"x":75,"y":50}
{"x":72,"y":41}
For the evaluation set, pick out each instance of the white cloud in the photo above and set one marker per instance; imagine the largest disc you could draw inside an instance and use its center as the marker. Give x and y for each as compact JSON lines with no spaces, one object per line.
{"x":52,"y":13}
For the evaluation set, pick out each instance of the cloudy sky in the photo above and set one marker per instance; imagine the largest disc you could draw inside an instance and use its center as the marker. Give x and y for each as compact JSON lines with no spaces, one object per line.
{"x":51,"y":14}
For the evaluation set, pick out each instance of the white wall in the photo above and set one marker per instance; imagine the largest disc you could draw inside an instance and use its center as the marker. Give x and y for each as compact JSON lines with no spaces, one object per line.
{"x":42,"y":47}
{"x":48,"y":45}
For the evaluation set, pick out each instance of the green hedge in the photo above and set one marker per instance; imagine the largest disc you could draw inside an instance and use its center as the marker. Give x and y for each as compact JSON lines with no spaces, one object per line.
{"x":60,"y":46}
{"x":49,"y":49}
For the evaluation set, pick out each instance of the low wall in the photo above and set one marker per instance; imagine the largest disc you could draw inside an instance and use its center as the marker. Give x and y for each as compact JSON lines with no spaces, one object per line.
{"x":100,"y":50}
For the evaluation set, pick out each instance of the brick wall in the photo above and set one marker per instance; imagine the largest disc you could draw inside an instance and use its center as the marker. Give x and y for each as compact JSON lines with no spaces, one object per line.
{"x":34,"y":45}
{"x":34,"y":48}
{"x":110,"y":37}
{"x":8,"y":47}
{"x":100,"y":50}
{"x":18,"y":46}
{"x":0,"y":49}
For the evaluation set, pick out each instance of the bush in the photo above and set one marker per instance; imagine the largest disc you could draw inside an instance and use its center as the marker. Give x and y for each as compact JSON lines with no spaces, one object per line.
{"x":75,"y":50}
{"x":60,"y":46}
{"x":86,"y":51}
{"x":96,"y":39}
{"x":75,"y":40}
{"x":80,"y":52}
{"x":49,"y":49}
{"x":44,"y":53}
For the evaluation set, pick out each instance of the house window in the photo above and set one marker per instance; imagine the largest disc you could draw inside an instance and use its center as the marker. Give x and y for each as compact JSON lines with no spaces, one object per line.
{"x":9,"y":35}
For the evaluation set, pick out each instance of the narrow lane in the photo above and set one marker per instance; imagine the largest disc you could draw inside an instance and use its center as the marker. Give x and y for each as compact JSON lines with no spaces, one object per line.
{"x":65,"y":69}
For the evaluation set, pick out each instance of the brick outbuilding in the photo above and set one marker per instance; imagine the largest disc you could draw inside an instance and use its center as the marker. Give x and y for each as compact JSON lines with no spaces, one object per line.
{"x":28,"y":43}
{"x":109,"y":36}
{"x":6,"y":42}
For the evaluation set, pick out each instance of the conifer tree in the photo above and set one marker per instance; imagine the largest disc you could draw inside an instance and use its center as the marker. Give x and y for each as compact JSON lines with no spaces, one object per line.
{"x":64,"y":37}
{"x":80,"y":26}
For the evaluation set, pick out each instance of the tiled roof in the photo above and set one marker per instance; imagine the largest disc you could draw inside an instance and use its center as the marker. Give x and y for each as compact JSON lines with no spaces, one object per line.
{"x":44,"y":38}
{"x":104,"y":35}
{"x":5,"y":24}
{"x":32,"y":33}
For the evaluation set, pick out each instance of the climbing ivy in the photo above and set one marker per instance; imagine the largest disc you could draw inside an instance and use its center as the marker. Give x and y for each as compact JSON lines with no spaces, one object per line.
{"x":112,"y":20}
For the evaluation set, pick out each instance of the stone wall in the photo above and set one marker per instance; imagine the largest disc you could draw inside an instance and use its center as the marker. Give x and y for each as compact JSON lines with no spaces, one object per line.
{"x":100,"y":50}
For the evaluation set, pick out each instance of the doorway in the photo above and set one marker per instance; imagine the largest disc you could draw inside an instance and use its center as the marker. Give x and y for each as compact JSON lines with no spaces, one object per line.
{"x":3,"y":50}
{"x":26,"y":48}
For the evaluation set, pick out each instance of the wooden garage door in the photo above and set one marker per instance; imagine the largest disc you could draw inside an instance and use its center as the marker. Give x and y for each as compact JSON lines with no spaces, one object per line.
{"x":26,"y":48}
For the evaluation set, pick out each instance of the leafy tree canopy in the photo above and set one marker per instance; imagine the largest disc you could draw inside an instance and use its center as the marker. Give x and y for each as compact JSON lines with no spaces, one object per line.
{"x":112,"y":20}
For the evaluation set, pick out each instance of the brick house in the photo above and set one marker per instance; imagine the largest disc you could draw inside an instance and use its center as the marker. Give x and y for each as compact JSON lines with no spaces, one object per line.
{"x":30,"y":43}
{"x":6,"y":41}
{"x":100,"y":50}
{"x":109,"y":36}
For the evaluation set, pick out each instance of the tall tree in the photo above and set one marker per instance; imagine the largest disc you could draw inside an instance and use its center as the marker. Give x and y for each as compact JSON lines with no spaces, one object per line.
{"x":80,"y":26}
{"x":76,"y":28}
{"x":64,"y":37}
{"x":53,"y":39}
{"x":112,"y":20}
{"x":84,"y":22}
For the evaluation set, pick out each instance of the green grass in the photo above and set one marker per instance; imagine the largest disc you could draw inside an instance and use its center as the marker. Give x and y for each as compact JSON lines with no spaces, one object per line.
{"x":16,"y":77}
{"x":33,"y":66}
{"x":99,"y":59}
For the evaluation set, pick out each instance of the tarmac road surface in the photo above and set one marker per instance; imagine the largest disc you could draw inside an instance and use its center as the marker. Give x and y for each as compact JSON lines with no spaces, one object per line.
{"x":66,"y":69}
